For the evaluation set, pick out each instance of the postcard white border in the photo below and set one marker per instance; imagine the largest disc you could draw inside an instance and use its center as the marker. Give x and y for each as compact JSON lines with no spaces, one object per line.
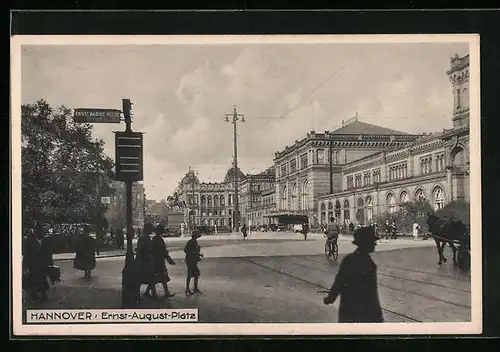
{"x":198,"y":329}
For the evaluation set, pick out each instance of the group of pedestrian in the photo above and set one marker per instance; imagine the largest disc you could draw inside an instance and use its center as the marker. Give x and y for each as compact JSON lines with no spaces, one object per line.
{"x":151,"y":255}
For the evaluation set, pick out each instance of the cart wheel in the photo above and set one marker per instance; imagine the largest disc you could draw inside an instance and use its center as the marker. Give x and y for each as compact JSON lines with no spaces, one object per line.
{"x":335,"y":251}
{"x":327,"y":250}
{"x":464,"y":260}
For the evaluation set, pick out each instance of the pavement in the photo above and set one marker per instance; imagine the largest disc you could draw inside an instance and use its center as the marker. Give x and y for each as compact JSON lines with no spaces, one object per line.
{"x":175,"y":244}
{"x":277,"y":278}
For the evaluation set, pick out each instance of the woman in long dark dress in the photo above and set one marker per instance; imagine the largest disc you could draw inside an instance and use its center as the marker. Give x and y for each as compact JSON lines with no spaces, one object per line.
{"x":144,"y":260}
{"x":159,"y":254}
{"x":85,"y":251}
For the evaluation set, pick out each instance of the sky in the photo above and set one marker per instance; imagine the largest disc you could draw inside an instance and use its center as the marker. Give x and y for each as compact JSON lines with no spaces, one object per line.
{"x":181,"y":94}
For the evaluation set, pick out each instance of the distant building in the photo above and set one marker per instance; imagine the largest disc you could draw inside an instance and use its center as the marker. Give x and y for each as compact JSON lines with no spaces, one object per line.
{"x":433,"y":166}
{"x":257,"y":197}
{"x":209,"y":204}
{"x":360,"y":170}
{"x":116,"y":214}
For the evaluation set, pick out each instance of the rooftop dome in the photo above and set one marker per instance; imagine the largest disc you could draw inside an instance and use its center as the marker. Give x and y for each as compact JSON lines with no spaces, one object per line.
{"x":230,"y":175}
{"x":189,"y":178}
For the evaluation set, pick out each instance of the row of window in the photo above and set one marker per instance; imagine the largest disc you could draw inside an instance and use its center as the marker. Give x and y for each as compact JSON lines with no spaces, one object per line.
{"x":398,"y":172}
{"x":211,"y":200}
{"x":215,"y":213}
{"x":392,"y":204}
{"x":318,"y":157}
{"x":363,"y":180}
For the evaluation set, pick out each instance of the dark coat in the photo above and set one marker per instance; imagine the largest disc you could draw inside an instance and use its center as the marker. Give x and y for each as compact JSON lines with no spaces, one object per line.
{"x":356,"y":283}
{"x":144,"y":259}
{"x":85,"y":250}
{"x":193,"y":252}
{"x":36,"y":260}
{"x":159,"y":253}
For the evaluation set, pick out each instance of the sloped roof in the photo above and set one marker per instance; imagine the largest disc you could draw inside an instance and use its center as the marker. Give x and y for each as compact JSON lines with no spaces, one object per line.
{"x":358,"y":127}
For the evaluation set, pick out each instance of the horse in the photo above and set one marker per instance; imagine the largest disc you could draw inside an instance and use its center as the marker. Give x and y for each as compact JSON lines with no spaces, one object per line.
{"x":450,"y":232}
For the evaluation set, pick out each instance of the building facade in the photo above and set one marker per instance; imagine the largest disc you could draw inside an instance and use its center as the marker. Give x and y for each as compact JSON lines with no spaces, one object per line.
{"x":314,"y":165}
{"x":209,"y":204}
{"x":116,"y":213}
{"x":257,"y":197}
{"x":434,"y":167}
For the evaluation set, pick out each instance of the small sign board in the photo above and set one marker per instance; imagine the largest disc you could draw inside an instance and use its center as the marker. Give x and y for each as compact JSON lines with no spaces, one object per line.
{"x":97,"y":115}
{"x":128,"y":153}
{"x":106,"y":200}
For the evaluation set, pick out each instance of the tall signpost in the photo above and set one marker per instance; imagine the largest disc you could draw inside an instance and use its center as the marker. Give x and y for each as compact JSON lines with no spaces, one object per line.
{"x":128,"y":169}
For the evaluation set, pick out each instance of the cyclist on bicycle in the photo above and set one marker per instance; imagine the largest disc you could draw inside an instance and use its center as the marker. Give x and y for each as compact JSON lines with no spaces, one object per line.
{"x":332,"y":233}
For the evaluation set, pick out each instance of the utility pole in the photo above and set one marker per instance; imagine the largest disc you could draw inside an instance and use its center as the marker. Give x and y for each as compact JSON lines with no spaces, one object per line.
{"x":330,"y":160}
{"x":234,"y":118}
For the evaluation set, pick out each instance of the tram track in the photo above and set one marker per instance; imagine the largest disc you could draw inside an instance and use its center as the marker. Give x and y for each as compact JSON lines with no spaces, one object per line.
{"x":399,"y":289}
{"x":284,"y":273}
{"x":408,"y":279}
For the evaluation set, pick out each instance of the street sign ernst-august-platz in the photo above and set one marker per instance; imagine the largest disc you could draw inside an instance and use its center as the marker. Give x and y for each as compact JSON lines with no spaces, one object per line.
{"x":97,"y":115}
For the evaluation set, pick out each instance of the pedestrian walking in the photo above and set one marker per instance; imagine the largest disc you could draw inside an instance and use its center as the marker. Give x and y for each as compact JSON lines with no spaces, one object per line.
{"x":120,"y":238}
{"x":244,"y":231}
{"x":394,"y":231}
{"x":193,"y":256}
{"x":144,"y":260}
{"x":159,"y":254}
{"x":415,"y":230}
{"x":356,"y":283}
{"x":85,"y":251}
{"x":305,"y":230}
{"x":37,"y":259}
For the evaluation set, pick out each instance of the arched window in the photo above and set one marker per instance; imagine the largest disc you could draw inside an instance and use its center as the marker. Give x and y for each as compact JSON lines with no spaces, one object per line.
{"x":294,"y":197}
{"x":347,"y":214}
{"x":209,"y":201}
{"x":204,"y":222}
{"x":337,"y":210}
{"x":439,"y":198}
{"x":203,"y":200}
{"x":323,"y":214}
{"x":284,"y":198}
{"x":211,"y":222}
{"x":420,"y":195}
{"x":304,"y":200}
{"x":369,"y":208}
{"x":330,"y":210}
{"x":216,"y":200}
{"x":391,"y":203}
{"x":404,"y":197}
{"x":222,"y":201}
{"x":222,"y":222}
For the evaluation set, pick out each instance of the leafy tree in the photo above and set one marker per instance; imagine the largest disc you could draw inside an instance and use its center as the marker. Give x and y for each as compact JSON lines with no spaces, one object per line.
{"x":407,"y":214}
{"x":457,"y":210}
{"x":64,"y":171}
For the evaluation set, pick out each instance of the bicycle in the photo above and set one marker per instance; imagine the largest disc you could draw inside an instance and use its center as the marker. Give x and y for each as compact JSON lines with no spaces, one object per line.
{"x":331,"y":249}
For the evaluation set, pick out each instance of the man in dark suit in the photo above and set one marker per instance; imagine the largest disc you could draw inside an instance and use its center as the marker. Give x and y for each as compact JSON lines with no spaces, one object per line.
{"x":356,"y":282}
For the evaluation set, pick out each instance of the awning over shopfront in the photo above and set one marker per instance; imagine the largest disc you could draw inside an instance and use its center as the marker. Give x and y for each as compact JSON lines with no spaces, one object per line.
{"x":288,"y":217}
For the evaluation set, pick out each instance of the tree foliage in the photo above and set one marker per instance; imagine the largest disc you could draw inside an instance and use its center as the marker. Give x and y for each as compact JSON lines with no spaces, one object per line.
{"x":64,"y":171}
{"x":407,"y":214}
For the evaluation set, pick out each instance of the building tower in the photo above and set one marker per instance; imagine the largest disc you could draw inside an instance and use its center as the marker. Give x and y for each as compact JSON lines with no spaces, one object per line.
{"x":459,"y":77}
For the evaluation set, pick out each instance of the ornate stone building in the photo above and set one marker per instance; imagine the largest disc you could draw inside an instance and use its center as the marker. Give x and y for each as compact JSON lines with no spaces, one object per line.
{"x":434,"y":167}
{"x":257,"y":197}
{"x":209,"y":204}
{"x":303,"y":170}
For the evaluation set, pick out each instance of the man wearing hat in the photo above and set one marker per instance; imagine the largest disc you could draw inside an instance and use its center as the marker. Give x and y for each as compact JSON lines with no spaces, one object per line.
{"x":193,"y":256}
{"x":356,"y":282}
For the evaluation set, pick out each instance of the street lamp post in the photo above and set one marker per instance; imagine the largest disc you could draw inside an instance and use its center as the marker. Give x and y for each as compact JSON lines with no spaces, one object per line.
{"x":234,"y":118}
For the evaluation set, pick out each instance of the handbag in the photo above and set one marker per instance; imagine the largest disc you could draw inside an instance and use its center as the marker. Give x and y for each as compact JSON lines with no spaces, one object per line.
{"x":54,"y":273}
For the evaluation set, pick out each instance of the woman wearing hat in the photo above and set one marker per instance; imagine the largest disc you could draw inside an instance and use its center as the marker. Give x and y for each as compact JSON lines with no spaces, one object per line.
{"x":356,"y":282}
